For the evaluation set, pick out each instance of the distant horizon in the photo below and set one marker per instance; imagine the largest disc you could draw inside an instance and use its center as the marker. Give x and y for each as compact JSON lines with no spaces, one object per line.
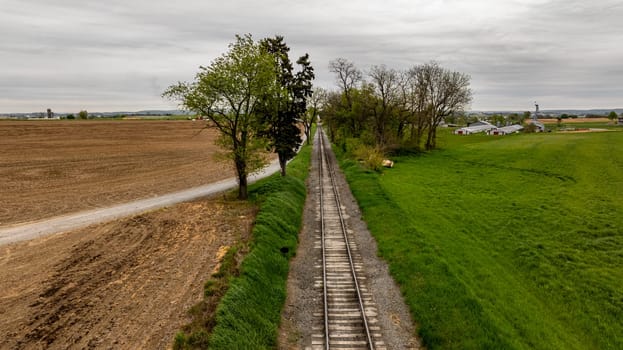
{"x":97,"y":108}
{"x":167,"y":110}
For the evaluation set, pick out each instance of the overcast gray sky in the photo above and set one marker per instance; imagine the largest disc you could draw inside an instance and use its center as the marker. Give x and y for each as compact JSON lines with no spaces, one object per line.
{"x":113,"y":55}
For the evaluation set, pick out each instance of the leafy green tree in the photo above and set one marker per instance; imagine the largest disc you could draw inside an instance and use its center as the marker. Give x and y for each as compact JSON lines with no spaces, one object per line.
{"x":455,"y":117}
{"x":471,"y":120}
{"x":333,"y":113}
{"x":315,"y":104}
{"x":282,"y":109}
{"x":612,"y":115}
{"x":394,"y":102}
{"x":530,"y":128}
{"x":515,"y":118}
{"x":497,"y":119}
{"x":83,"y":114}
{"x":358,"y":117}
{"x":229,"y":92}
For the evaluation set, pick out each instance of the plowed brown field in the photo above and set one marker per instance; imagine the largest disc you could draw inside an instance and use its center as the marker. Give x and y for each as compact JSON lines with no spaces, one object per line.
{"x":125,"y":284}
{"x":50,"y":168}
{"x":575,"y":120}
{"x":121,"y":285}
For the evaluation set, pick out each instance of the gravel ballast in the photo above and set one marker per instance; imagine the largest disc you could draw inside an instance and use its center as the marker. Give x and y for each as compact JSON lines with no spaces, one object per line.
{"x":303,"y":300}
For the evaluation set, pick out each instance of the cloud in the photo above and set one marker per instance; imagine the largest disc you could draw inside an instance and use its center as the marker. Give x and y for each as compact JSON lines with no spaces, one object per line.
{"x":115,"y":54}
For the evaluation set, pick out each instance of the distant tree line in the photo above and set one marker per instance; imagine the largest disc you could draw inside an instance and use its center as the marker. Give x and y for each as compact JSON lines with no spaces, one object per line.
{"x":498,"y":119}
{"x":386,"y":107}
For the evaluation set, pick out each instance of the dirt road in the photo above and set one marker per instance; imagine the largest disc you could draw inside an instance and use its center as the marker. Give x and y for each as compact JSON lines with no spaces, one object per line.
{"x":17,"y":233}
{"x":51,"y":168}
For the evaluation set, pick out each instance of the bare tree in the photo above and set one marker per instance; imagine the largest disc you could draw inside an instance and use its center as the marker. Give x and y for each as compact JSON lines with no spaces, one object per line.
{"x":386,"y":84}
{"x":446,"y":92}
{"x":347,"y":76}
{"x":415,"y":103}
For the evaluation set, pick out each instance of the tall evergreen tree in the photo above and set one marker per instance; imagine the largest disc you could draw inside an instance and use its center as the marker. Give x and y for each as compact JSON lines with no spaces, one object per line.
{"x":282,"y":108}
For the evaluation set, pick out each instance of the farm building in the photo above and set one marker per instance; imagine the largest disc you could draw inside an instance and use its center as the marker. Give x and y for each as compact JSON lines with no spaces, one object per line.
{"x":475,"y":128}
{"x":540,"y":127}
{"x":505,"y":130}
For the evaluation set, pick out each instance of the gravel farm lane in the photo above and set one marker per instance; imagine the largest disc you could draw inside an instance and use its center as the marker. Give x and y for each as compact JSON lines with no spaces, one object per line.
{"x":22,"y":232}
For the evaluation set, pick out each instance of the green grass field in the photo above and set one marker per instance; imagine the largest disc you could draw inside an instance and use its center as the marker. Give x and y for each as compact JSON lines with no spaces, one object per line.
{"x":511,"y":242}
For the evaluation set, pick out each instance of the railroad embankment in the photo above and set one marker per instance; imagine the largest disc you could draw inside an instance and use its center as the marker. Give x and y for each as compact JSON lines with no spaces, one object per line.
{"x":248,"y":314}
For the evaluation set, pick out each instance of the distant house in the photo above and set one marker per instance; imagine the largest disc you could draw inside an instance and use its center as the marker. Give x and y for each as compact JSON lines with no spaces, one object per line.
{"x":475,"y":128}
{"x":511,"y":129}
{"x":620,"y":120}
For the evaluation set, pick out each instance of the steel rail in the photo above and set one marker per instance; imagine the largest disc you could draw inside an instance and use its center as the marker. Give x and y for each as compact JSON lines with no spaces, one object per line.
{"x":331,"y":173}
{"x":322,"y":230}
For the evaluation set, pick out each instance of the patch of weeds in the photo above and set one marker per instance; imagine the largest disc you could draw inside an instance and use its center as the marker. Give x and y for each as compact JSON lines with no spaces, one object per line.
{"x":195,"y":335}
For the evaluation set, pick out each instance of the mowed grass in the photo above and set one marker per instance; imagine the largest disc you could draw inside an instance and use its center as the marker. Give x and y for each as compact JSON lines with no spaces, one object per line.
{"x":509,"y":242}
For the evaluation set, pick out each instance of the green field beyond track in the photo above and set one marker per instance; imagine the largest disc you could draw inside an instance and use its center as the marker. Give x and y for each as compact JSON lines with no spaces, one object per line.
{"x":509,"y":242}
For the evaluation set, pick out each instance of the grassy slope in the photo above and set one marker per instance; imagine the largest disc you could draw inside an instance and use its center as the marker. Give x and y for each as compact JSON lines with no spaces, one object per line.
{"x":512,"y":242}
{"x":249,"y":314}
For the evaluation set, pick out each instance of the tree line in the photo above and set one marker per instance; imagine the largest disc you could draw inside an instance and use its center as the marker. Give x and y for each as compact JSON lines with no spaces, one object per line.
{"x":257,"y":101}
{"x":387,"y":107}
{"x":253,"y":96}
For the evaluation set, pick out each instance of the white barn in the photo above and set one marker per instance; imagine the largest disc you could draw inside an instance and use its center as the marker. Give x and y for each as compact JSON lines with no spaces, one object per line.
{"x":540,"y":127}
{"x":505,"y":130}
{"x":475,"y":128}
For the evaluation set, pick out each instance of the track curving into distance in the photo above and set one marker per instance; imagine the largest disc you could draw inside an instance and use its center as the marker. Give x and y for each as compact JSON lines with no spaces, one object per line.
{"x":348,"y":319}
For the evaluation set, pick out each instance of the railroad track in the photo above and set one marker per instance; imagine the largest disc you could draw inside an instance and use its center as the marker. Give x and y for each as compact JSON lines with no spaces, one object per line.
{"x":348,"y":319}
